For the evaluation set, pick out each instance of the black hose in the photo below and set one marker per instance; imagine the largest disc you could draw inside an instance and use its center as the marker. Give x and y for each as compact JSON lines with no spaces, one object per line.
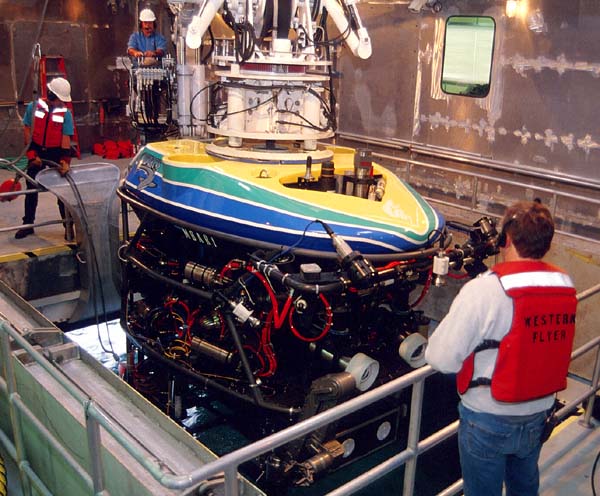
{"x":256,"y":394}
{"x":594,"y":473}
{"x":204,"y":58}
{"x":271,"y":271}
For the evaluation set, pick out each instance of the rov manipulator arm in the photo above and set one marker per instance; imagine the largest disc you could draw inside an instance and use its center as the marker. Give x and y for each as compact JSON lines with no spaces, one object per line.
{"x":346,"y":18}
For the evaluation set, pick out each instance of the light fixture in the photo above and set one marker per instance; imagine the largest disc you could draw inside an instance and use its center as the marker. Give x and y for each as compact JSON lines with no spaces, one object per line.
{"x":512,"y":6}
{"x":536,"y":22}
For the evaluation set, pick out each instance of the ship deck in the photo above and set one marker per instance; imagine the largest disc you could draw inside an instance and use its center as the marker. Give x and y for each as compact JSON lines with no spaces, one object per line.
{"x":568,"y":457}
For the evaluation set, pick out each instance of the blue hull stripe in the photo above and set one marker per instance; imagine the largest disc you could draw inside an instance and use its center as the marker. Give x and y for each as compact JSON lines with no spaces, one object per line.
{"x":254,"y":221}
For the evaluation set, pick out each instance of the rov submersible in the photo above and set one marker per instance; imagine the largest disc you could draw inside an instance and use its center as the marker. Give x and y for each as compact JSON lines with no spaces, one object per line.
{"x":274,"y":274}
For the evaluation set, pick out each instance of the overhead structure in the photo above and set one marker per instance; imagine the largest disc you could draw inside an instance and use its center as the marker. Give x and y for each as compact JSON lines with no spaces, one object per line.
{"x":274,"y":73}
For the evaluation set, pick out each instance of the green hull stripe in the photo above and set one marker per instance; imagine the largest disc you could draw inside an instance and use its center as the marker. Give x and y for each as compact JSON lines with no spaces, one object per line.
{"x":221,"y":183}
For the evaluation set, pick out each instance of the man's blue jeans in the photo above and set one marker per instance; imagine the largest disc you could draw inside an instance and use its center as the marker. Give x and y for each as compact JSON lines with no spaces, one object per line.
{"x":495,"y":448}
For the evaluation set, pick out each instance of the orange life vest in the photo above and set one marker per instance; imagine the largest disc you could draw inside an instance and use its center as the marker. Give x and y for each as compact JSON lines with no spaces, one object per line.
{"x":47,"y":127}
{"x":533,"y":357}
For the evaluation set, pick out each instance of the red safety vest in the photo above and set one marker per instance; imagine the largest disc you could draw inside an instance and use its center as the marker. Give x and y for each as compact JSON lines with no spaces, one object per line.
{"x":533,"y":358}
{"x":48,"y":126}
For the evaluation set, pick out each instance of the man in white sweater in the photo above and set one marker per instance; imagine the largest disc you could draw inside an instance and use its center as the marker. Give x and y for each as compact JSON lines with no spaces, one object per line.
{"x":508,"y":336}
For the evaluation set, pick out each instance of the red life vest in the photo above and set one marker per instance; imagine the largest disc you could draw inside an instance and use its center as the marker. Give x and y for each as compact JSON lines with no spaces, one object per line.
{"x":47,"y":127}
{"x":533,"y":357}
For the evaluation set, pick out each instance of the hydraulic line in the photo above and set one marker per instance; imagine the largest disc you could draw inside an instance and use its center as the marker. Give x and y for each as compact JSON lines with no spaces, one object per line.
{"x":245,"y":364}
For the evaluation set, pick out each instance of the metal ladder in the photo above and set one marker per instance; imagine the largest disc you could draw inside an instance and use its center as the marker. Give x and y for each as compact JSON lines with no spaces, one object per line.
{"x":54,"y":66}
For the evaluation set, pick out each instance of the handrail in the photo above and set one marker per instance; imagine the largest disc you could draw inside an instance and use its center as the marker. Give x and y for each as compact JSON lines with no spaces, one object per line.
{"x":463,"y":157}
{"x":36,"y":224}
{"x":32,"y":191}
{"x":229,"y":463}
{"x":477,"y":175}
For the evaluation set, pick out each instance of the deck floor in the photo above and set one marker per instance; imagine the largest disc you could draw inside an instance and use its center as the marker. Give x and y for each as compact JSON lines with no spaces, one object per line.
{"x":567,"y":461}
{"x":568,"y":457}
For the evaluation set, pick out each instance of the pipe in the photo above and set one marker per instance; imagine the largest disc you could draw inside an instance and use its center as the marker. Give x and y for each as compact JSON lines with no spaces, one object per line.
{"x":254,"y":388}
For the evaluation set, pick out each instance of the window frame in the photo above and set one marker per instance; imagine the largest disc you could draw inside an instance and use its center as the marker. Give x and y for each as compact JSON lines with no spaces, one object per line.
{"x":472,"y":89}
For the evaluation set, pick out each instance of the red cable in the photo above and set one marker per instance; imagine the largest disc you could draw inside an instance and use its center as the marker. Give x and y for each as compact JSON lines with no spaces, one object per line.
{"x":328,"y":313}
{"x":457,"y":276}
{"x":260,"y":359}
{"x":278,"y":319}
{"x":425,"y":289}
{"x":232,"y":264}
{"x":267,"y":348}
{"x":174,"y":301}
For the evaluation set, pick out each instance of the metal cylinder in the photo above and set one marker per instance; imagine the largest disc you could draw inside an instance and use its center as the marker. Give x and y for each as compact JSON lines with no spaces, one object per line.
{"x":199,"y":99}
{"x":211,"y":351}
{"x":324,"y":460}
{"x":236,"y":117}
{"x":327,"y":178}
{"x":184,"y":84}
{"x":321,"y":462}
{"x":202,"y":274}
{"x":363,"y":157}
{"x":363,"y":170}
{"x":311,"y":112}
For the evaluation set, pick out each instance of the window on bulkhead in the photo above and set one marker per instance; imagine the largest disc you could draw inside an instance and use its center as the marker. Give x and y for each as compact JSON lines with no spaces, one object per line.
{"x":468,"y":50}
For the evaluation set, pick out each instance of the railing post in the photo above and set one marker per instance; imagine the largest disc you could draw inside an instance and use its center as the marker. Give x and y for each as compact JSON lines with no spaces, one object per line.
{"x":232,"y":487}
{"x":94,"y":444}
{"x":414,"y":433}
{"x":586,"y":420}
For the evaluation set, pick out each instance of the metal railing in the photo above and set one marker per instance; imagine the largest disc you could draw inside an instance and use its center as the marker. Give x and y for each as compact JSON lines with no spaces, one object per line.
{"x":463,"y":157}
{"x":68,"y":220}
{"x":558,"y":187}
{"x":228,"y":464}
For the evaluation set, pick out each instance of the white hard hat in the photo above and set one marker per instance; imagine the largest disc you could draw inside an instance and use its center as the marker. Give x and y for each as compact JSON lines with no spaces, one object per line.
{"x":147,"y":15}
{"x":61,"y":88}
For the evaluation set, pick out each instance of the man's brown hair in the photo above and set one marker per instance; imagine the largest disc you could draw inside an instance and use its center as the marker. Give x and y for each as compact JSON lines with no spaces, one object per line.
{"x":531,"y":228}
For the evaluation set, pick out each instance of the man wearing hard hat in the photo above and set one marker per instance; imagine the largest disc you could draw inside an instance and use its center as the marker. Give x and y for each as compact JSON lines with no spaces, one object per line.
{"x":48,"y":127}
{"x":146,"y":44}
